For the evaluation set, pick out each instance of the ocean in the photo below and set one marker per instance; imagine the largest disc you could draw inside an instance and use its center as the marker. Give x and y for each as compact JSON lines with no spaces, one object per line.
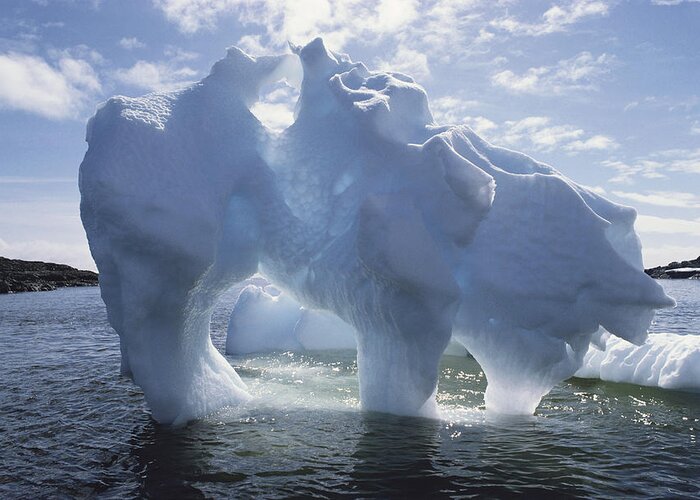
{"x":71,"y":426}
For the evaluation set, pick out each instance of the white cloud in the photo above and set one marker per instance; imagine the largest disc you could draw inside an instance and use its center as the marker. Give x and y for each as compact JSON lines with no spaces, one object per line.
{"x":177,"y":55}
{"x":81,"y":51}
{"x":337,"y":21}
{"x":452,"y":110}
{"x":578,"y":73}
{"x":536,"y":133}
{"x":392,"y":15}
{"x":252,"y":44}
{"x":695,"y":128}
{"x":672,"y":2}
{"x":158,"y":75}
{"x":684,"y":104}
{"x":630,"y":106}
{"x":29,"y":83}
{"x":662,"y":198}
{"x":655,"y":166}
{"x":80,"y":74}
{"x":443,"y":25}
{"x":528,"y":82}
{"x":407,"y":61}
{"x":276,"y":108}
{"x":484,"y":36}
{"x":194,"y":15}
{"x":679,"y":160}
{"x":433,"y":27}
{"x":481,"y":125}
{"x":131,"y":43}
{"x":627,"y":171}
{"x":667,"y":225}
{"x":540,"y":133}
{"x":594,"y":143}
{"x":556,"y":19}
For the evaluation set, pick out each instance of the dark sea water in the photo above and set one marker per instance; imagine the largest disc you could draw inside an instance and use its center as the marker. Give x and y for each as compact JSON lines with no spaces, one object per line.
{"x":70,"y":426}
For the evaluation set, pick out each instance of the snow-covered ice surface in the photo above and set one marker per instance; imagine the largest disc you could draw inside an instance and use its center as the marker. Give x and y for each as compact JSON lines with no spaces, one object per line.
{"x":666,"y":360}
{"x":410,"y":232}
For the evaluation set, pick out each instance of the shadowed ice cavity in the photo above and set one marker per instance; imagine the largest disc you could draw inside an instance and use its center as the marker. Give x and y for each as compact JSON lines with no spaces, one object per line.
{"x":409,"y":232}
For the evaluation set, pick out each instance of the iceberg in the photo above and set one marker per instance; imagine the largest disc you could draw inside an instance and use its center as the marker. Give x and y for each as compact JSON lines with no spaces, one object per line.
{"x":265,"y":319}
{"x":409,"y":232}
{"x":665,"y":360}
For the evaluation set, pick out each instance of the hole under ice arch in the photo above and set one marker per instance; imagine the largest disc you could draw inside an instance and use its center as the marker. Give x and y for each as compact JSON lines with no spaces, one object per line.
{"x":264,"y":319}
{"x":303,"y":359}
{"x":275,"y":107}
{"x":306,"y":363}
{"x":275,"y":343}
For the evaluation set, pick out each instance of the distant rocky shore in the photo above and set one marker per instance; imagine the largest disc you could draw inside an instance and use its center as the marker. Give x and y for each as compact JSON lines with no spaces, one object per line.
{"x":688,"y":269}
{"x":30,"y":276}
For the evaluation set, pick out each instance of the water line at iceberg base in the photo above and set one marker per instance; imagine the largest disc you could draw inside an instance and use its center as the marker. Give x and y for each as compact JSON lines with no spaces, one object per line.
{"x":411,"y":232}
{"x":265,"y":320}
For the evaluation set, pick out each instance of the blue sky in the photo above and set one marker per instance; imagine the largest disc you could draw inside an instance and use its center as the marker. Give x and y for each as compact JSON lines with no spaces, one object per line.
{"x":606,"y":91}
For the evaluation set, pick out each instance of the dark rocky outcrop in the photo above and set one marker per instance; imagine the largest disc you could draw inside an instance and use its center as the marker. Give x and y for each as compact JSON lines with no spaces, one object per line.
{"x":687,"y":269}
{"x":30,"y":276}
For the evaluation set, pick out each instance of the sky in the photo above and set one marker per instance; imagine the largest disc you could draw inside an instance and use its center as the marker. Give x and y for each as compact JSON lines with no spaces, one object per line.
{"x":606,"y":91}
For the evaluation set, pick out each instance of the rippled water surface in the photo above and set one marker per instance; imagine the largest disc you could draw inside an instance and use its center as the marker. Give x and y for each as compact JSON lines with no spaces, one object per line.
{"x":71,"y":426}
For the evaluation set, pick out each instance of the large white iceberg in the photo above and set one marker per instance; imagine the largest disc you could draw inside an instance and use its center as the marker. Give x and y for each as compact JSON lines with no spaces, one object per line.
{"x":408,"y":231}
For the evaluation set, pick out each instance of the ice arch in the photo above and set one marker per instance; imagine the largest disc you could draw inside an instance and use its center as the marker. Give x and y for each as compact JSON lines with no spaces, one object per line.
{"x":408,"y":231}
